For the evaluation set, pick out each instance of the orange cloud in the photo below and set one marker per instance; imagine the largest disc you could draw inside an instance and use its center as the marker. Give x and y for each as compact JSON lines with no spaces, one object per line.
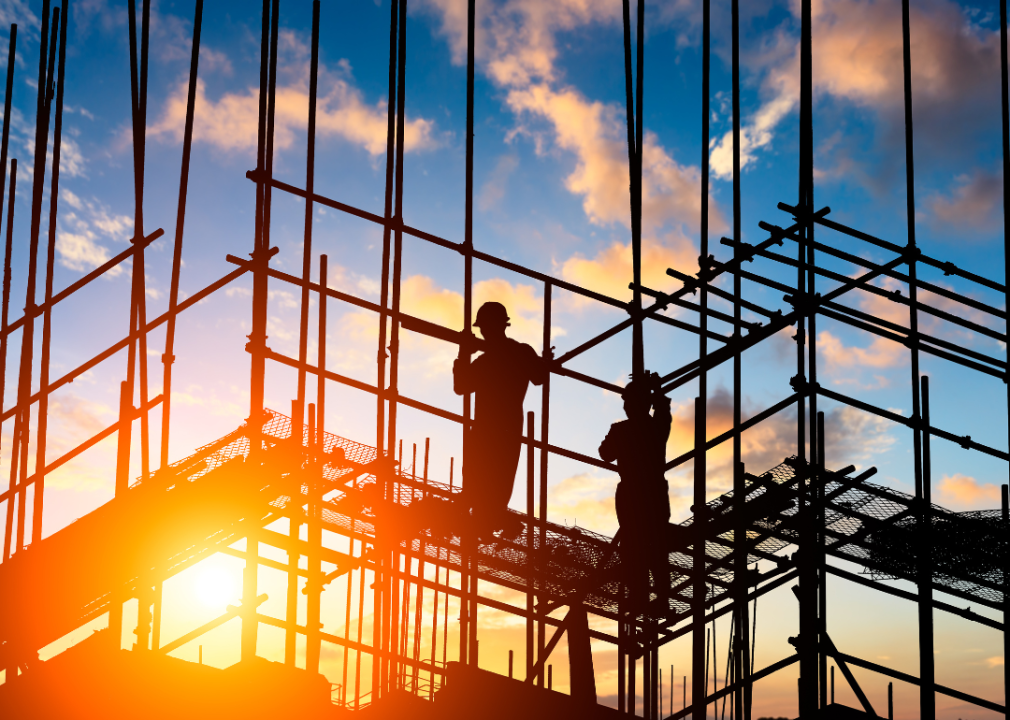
{"x":965,"y":492}
{"x":230,"y":122}
{"x":881,"y":353}
{"x":858,"y":57}
{"x":610,"y":270}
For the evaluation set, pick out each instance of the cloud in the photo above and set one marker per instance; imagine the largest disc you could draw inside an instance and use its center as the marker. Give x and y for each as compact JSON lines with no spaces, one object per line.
{"x":610,"y":270}
{"x":858,"y":58}
{"x":962,"y":492}
{"x":881,"y":353}
{"x":79,"y":229}
{"x":996,"y":661}
{"x":493,"y":191}
{"x":516,"y":47}
{"x":17,"y":11}
{"x":230,"y":122}
{"x":974,"y":203}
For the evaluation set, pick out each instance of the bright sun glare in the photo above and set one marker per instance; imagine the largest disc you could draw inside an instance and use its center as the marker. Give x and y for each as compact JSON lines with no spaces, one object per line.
{"x":215,"y":588}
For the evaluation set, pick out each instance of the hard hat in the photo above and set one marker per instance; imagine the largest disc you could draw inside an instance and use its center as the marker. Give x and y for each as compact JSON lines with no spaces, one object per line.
{"x":491,"y":312}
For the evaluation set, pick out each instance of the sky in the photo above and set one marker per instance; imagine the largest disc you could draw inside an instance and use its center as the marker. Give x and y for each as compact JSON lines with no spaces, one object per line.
{"x":550,"y":193}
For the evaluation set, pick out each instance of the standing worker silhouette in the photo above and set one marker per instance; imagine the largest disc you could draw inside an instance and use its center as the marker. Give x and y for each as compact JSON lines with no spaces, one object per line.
{"x":638,"y":444}
{"x":499,"y":379}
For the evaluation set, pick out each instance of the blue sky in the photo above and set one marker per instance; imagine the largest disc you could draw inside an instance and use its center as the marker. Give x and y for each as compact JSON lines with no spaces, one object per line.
{"x":550,"y":171}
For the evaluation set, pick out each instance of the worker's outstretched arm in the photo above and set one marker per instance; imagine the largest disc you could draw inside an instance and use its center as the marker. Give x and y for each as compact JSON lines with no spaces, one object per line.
{"x":540,"y":367}
{"x":462,"y":376}
{"x":462,"y":370}
{"x":661,"y":413}
{"x":608,"y":448}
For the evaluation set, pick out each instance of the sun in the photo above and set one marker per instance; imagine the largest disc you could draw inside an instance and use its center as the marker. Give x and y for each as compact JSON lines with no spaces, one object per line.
{"x":215,"y":588}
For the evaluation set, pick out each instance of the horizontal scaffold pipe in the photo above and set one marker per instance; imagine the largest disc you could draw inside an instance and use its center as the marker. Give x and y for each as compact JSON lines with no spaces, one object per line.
{"x":715,"y":314}
{"x":964,"y":441}
{"x":89,"y":443}
{"x":920,"y":340}
{"x":719,"y":292}
{"x":739,"y":684}
{"x":965,"y":613}
{"x":395,"y":224}
{"x":431,"y":409}
{"x":84,"y":367}
{"x":413,"y":324}
{"x":863,"y":262}
{"x":690,"y":371}
{"x":730,"y":604}
{"x":86,"y":280}
{"x":912,"y":680}
{"x":745,"y":425}
{"x":893,"y":296}
{"x":948,"y":268}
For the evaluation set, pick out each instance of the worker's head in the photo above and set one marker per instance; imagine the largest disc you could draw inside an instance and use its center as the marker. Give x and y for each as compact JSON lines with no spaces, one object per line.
{"x":638,"y":396}
{"x":637,"y":399}
{"x":492,"y":319}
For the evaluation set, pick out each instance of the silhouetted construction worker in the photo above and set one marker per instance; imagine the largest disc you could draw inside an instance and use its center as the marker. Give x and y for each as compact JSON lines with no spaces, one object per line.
{"x":638,"y":444}
{"x":499,"y":379}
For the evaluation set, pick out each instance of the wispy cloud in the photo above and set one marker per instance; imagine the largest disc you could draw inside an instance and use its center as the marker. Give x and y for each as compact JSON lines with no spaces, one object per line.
{"x":230,"y":121}
{"x":81,"y":226}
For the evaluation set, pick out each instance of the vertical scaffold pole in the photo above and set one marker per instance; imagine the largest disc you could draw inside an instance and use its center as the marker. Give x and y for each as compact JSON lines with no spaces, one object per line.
{"x":739,"y":642}
{"x":11,"y":48}
{"x":1005,"y":101}
{"x":168,"y":358}
{"x":393,"y":586}
{"x":924,"y":520}
{"x":530,"y":542}
{"x":380,"y":598}
{"x":22,"y":415}
{"x":314,"y":584}
{"x":41,"y":431}
{"x":698,"y":691}
{"x":258,"y":336}
{"x":545,"y":424}
{"x":807,"y":589}
{"x":927,"y":699}
{"x":310,"y":166}
{"x":468,"y":580}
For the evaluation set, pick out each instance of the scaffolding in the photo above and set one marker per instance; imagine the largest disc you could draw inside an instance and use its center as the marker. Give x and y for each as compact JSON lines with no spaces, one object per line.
{"x":408,"y":552}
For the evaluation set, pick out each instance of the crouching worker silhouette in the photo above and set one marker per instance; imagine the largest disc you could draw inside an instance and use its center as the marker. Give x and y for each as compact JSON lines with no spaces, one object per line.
{"x":499,"y":379}
{"x":638,"y":444}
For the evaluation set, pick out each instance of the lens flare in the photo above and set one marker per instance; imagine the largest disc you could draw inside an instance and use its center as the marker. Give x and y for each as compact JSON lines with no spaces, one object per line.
{"x":215,"y":588}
